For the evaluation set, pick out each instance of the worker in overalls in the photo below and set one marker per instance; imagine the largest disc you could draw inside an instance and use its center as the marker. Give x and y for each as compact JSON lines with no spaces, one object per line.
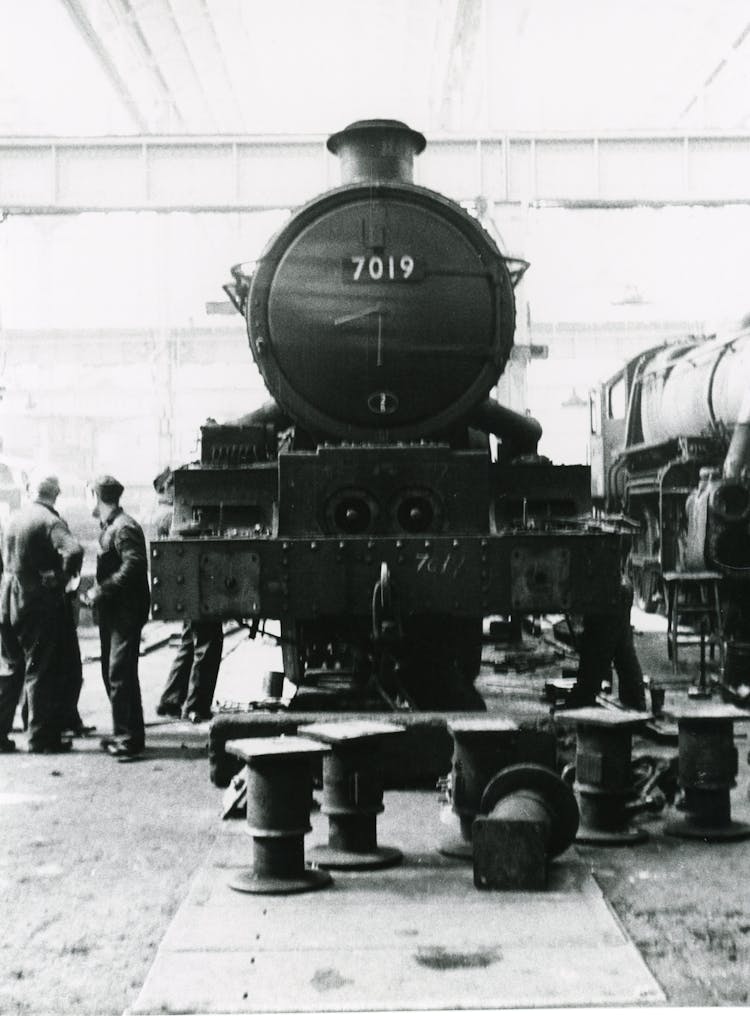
{"x":606,"y":641}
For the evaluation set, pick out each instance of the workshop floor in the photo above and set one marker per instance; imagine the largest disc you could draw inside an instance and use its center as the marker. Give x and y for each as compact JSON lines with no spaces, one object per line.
{"x":96,"y":858}
{"x":415,"y":936}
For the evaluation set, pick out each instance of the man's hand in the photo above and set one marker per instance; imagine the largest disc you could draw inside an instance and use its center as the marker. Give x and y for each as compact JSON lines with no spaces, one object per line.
{"x":92,"y":596}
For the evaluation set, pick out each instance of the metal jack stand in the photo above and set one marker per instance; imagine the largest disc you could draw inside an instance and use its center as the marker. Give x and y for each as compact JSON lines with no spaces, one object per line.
{"x":352,"y":795}
{"x":604,"y":778}
{"x":279,"y":778}
{"x":707,"y":771}
{"x":529,"y":816}
{"x":701,"y":689}
{"x":483,"y":747}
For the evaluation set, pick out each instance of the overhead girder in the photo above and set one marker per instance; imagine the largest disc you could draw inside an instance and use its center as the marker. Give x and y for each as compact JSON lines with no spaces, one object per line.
{"x":172,"y":173}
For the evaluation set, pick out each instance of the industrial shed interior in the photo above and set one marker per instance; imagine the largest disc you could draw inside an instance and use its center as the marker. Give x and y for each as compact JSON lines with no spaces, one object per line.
{"x":417,"y":334}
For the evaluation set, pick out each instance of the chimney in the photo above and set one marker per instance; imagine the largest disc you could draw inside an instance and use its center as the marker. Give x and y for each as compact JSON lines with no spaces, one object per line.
{"x":373,"y":151}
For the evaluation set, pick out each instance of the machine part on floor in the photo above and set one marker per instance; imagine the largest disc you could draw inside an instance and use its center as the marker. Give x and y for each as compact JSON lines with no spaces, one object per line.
{"x":234,"y":798}
{"x":529,"y":815}
{"x":483,"y":747}
{"x":279,"y":776}
{"x":707,"y":772}
{"x":557,"y":689}
{"x":525,"y":660}
{"x":657,"y":695}
{"x":604,"y":776}
{"x":273,"y":685}
{"x":506,"y":630}
{"x":352,"y":795}
{"x":655,"y":781}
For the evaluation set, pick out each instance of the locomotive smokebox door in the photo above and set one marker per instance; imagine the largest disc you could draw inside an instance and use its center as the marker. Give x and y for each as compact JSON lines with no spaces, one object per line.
{"x":229,"y":583}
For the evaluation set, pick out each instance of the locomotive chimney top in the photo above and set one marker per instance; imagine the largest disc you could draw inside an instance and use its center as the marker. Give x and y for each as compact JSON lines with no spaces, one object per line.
{"x":377,"y":150}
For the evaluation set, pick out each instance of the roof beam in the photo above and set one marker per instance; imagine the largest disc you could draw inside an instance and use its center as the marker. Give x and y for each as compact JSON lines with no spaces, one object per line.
{"x":127,"y":15}
{"x":717,"y":71}
{"x":93,"y":40}
{"x":461,"y":51}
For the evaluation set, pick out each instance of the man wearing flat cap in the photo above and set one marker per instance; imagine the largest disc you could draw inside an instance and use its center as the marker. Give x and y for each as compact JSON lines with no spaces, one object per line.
{"x":121,"y":601}
{"x":40,"y":556}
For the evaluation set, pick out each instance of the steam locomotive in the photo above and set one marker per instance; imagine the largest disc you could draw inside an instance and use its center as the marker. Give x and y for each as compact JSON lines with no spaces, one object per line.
{"x":671,"y":449}
{"x":363,"y":506}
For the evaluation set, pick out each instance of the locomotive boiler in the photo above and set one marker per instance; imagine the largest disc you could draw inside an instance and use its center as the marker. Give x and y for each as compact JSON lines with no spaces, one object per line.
{"x":671,"y":448}
{"x":361,"y":506}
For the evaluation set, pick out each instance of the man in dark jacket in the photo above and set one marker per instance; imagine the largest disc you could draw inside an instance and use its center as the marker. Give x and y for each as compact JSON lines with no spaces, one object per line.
{"x":121,"y":601}
{"x":40,"y":556}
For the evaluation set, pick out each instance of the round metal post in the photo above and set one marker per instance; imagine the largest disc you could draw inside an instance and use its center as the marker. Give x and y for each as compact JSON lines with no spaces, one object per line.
{"x":701,"y":688}
{"x":352,"y":795}
{"x":279,"y":779}
{"x":604,"y":778}
{"x":481,"y":748}
{"x":737,"y":665}
{"x":707,"y":772}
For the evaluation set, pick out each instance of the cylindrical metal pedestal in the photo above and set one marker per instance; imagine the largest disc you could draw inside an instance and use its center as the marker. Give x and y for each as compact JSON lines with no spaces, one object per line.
{"x":481,"y":748}
{"x":707,"y":772}
{"x":279,"y":793}
{"x":604,"y":778}
{"x":352,"y":795}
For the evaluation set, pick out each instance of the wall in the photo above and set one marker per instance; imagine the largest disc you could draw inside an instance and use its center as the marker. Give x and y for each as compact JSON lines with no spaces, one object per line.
{"x":109,"y":359}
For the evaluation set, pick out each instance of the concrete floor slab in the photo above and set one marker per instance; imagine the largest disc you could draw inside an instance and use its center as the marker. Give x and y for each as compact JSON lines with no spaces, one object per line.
{"x":419,"y":936}
{"x":394,"y":978}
